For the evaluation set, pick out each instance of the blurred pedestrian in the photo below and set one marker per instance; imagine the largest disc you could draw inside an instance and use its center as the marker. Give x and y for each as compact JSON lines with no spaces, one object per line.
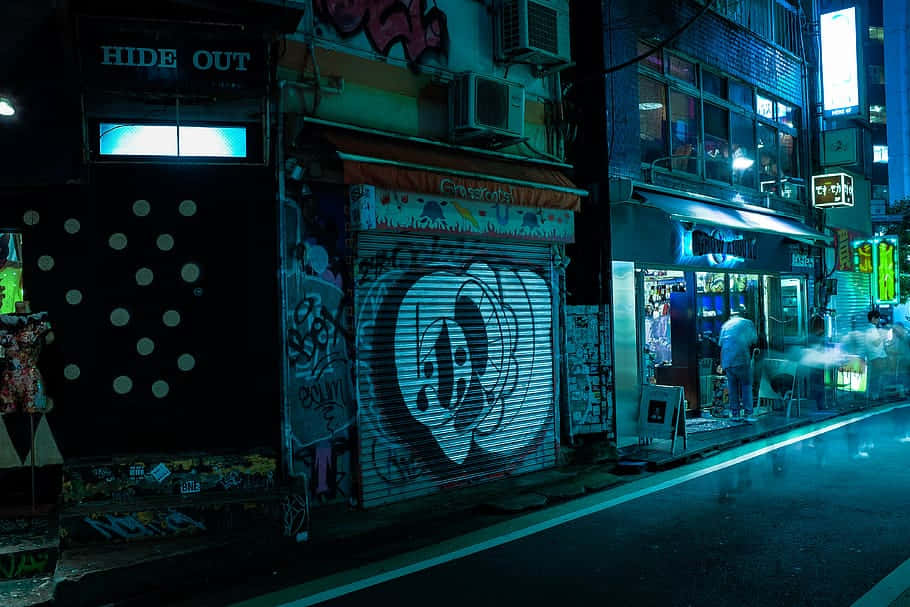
{"x":737,"y":336}
{"x":876,"y":356}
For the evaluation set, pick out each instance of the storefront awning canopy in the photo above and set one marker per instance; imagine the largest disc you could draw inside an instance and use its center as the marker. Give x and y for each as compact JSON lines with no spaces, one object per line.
{"x":423,"y":168}
{"x":682,"y":209}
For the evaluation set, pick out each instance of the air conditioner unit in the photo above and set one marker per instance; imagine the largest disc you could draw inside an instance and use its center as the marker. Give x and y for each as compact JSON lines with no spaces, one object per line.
{"x":484,"y":108}
{"x":533,"y":31}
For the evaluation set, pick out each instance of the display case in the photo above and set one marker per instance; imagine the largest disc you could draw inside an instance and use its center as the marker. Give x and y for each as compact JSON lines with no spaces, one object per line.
{"x":793,"y":314}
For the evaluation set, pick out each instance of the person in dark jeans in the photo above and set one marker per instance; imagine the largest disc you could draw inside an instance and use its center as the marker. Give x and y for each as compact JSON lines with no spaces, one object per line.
{"x":737,"y":336}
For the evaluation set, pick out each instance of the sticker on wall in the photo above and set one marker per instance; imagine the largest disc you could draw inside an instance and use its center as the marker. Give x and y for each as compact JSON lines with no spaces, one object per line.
{"x":160,"y":472}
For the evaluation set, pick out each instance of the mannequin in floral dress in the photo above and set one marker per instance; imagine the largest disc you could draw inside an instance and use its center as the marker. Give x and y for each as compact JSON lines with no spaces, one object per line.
{"x":21,"y":384}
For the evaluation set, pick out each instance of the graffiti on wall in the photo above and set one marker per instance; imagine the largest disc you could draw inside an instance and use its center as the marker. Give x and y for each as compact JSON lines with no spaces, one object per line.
{"x":389,"y":210}
{"x":321,"y":407}
{"x":453,"y":357}
{"x":142,"y":525}
{"x":589,"y":370}
{"x":388,"y":22}
{"x":25,"y":564}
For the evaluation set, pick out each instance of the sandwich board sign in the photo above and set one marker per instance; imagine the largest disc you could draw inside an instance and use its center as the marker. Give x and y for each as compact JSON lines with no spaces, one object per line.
{"x":662,"y":414}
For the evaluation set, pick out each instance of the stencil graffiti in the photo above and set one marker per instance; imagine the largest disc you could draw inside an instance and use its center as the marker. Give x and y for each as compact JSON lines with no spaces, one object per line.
{"x":388,"y":22}
{"x":452,"y":361}
{"x":144,"y":524}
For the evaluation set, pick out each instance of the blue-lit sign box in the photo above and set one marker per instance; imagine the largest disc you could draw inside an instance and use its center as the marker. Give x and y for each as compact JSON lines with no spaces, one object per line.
{"x":118,"y":139}
{"x":840,"y":65}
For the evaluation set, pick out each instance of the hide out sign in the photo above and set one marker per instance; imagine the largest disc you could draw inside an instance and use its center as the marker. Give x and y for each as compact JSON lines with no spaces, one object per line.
{"x":171,"y":57}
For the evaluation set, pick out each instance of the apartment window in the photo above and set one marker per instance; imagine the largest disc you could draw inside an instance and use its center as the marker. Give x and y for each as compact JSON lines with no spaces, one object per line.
{"x":789,"y":160}
{"x":741,"y":94}
{"x":878,"y":114}
{"x":880,"y":154}
{"x":717,"y":143}
{"x":684,"y":131}
{"x":877,"y":33}
{"x":876,"y":74}
{"x":764,"y":107}
{"x":654,"y":61}
{"x":714,"y":84}
{"x":682,"y":69}
{"x":786,"y":26}
{"x":652,"y":119}
{"x":768,"y":168}
{"x":786,"y":115}
{"x":742,"y":129}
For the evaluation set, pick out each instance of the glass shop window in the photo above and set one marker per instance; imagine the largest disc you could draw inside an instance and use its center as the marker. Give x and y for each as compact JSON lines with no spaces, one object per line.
{"x":684,"y":131}
{"x":768,"y":168}
{"x":652,"y":119}
{"x":789,"y":148}
{"x":655,"y":61}
{"x":764,"y":107}
{"x":714,"y":84}
{"x":717,"y":143}
{"x":743,"y":165}
{"x":11,"y":289}
{"x":682,"y":69}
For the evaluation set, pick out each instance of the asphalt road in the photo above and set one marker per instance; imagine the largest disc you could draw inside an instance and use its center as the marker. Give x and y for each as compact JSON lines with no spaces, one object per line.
{"x":819,"y":522}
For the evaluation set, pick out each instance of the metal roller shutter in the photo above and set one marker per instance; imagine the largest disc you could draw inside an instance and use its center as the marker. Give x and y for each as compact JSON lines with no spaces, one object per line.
{"x":455,"y":362}
{"x":852,"y":302}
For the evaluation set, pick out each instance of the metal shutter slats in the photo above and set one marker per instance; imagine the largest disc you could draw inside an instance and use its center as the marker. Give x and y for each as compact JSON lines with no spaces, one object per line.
{"x":455,"y":362}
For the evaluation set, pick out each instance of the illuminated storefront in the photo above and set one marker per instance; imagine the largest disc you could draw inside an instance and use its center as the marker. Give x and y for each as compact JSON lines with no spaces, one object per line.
{"x":676,"y":283}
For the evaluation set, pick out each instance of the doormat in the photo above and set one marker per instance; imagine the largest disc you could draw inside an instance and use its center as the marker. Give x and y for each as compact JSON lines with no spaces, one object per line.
{"x":708,"y":424}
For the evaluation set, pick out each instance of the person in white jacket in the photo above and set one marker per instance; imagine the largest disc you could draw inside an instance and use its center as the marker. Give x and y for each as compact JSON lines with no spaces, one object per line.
{"x":737,"y":336}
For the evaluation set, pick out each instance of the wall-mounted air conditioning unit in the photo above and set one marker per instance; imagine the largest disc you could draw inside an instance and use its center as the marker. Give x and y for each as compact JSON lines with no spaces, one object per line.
{"x":533,"y":31}
{"x":484,"y":108}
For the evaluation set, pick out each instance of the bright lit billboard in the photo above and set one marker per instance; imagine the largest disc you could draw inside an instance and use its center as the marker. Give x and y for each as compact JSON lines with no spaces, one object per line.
{"x":840,"y":69}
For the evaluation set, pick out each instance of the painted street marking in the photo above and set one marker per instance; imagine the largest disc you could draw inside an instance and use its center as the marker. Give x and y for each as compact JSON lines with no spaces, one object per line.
{"x":372,"y":574}
{"x":889,"y":589}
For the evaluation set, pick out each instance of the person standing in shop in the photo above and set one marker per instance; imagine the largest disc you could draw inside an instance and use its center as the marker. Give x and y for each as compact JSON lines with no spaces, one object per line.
{"x":876,"y":354}
{"x":737,"y":336}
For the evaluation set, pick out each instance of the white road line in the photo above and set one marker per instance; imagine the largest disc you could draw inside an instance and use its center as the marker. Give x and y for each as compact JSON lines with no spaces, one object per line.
{"x":889,"y":589}
{"x":340,"y":584}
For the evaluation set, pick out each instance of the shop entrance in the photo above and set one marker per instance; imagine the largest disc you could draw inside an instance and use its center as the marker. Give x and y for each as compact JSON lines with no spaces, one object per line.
{"x":682,"y":315}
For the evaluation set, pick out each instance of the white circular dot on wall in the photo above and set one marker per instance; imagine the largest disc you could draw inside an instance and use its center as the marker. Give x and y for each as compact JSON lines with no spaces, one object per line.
{"x":165,"y":242}
{"x":145,"y":346}
{"x":141,"y":208}
{"x":171,"y":318}
{"x":160,"y":388}
{"x":186,"y":362}
{"x":190,"y":272}
{"x":117,"y":241}
{"x":31,"y":218}
{"x":72,"y":225}
{"x":46,"y":263}
{"x":120,"y":317}
{"x":74,"y":297}
{"x":187,"y":208}
{"x":144,"y":277}
{"x":72,"y":372}
{"x":123,"y":384}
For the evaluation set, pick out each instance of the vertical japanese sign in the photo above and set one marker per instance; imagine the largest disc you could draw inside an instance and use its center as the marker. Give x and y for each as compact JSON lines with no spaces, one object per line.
{"x":887,"y":264}
{"x":863,"y":253}
{"x":844,"y":251}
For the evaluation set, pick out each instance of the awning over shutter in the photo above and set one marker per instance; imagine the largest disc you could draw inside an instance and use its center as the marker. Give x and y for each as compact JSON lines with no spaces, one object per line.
{"x":416,"y":167}
{"x":683,"y":209}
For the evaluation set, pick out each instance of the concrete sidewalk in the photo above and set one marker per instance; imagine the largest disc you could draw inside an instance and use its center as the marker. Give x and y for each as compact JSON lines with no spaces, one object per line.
{"x":167,"y":571}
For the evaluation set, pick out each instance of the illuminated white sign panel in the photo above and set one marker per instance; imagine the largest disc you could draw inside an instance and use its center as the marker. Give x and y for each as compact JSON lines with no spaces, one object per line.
{"x":840,"y":73}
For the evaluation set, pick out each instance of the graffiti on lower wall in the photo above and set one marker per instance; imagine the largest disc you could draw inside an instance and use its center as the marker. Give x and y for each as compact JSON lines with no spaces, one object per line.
{"x":25,"y":564}
{"x":141,"y":525}
{"x":389,"y":210}
{"x":320,"y":389}
{"x":455,"y":364}
{"x":127,"y":480}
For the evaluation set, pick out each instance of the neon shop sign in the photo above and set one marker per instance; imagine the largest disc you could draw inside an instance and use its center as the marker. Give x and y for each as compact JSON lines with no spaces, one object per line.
{"x":719,"y":247}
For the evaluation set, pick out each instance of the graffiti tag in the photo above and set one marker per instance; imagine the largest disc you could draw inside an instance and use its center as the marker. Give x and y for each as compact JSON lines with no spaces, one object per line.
{"x":129,"y":527}
{"x":388,"y":22}
{"x":23,"y":565}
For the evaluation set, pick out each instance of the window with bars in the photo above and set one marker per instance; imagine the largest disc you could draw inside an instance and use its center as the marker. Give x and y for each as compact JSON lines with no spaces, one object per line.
{"x":775,"y":20}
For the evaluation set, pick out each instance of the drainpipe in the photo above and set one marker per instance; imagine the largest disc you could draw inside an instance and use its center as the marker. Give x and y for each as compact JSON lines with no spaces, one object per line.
{"x":282,"y":284}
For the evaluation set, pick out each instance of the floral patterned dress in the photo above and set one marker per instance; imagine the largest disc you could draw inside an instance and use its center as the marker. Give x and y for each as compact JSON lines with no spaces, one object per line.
{"x":21,"y":384}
